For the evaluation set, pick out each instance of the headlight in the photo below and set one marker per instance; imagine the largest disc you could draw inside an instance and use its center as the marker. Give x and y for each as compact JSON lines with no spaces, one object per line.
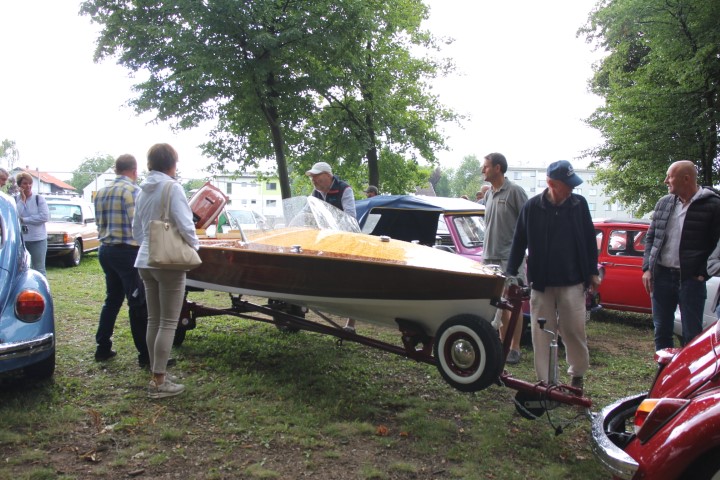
{"x":55,"y":238}
{"x":29,"y":306}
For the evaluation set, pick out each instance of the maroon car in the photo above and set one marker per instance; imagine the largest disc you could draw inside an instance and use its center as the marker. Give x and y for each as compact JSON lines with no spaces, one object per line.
{"x":673,"y":431}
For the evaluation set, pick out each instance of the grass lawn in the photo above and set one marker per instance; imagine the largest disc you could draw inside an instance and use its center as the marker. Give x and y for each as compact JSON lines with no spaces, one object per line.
{"x":263,"y":404}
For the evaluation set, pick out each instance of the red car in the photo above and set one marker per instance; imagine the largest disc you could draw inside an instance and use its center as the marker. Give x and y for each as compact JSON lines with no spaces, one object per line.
{"x":621,"y":245}
{"x":673,"y":431}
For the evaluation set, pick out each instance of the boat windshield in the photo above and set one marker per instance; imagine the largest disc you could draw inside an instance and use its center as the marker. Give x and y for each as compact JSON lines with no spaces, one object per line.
{"x":315,"y":213}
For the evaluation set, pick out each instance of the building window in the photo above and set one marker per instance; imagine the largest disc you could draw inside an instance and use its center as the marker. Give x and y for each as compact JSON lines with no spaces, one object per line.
{"x":608,"y":207}
{"x":243,"y":184}
{"x":271,"y":186}
{"x":517,"y":176}
{"x":253,"y":202}
{"x":244,"y":201}
{"x":541,"y":183}
{"x":593,"y":191}
{"x":228,"y":190}
{"x":591,"y":206}
{"x":271,"y":203}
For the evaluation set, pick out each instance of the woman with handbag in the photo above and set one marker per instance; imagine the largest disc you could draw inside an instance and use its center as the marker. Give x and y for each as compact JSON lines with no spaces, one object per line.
{"x":165,"y":285}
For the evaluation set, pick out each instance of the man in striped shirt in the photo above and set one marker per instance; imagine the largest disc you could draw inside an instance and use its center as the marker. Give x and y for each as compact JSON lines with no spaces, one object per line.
{"x":114,"y":210}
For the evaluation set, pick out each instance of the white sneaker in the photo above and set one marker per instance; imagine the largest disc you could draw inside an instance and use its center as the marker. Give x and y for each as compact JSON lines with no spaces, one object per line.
{"x":165,"y":389}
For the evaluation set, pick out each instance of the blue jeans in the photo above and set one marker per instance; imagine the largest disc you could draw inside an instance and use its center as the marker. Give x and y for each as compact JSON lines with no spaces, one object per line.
{"x":37,"y":250}
{"x":122,"y":281}
{"x":668,"y":293}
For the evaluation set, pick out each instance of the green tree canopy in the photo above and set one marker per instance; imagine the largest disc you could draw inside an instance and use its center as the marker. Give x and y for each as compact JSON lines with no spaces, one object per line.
{"x":290,"y":80}
{"x":660,"y":82}
{"x":89,"y":170}
{"x":468,"y":178}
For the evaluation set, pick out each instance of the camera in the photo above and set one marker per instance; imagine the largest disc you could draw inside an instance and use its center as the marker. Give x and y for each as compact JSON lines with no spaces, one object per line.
{"x":24,"y":228}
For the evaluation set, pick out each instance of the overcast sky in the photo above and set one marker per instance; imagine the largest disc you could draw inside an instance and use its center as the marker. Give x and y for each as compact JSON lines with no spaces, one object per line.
{"x":521,"y":79}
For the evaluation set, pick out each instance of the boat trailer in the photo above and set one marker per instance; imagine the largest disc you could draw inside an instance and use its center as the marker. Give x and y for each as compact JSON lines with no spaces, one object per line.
{"x":532,"y":398}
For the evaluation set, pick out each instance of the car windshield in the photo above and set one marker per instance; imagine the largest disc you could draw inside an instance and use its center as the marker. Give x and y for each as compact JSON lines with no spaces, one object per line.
{"x":471,"y":229}
{"x":64,"y":213}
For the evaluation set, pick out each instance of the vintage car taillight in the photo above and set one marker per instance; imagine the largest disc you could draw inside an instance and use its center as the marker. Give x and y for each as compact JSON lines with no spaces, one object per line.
{"x":653,"y":413}
{"x":29,"y":306}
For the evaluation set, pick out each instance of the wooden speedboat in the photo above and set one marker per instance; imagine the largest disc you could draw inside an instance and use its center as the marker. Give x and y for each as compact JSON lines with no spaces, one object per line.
{"x":368,"y":278}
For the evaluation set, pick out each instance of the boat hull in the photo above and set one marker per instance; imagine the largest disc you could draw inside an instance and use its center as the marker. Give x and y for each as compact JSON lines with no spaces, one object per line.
{"x":353,"y":275}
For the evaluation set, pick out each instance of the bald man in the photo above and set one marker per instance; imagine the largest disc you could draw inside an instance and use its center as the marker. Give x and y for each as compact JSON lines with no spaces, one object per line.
{"x":683,"y":233}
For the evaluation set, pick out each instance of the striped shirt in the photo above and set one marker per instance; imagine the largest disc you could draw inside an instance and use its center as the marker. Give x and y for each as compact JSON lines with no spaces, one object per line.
{"x":114,"y":210}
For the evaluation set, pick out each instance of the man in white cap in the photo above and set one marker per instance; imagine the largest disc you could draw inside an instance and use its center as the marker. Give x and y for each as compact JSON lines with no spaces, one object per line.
{"x":331,"y":189}
{"x":557,"y":230}
{"x":338,"y":194}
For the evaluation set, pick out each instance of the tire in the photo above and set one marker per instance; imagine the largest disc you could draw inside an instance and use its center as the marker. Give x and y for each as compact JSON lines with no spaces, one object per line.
{"x":73,"y":258}
{"x":468,"y":353}
{"x":43,"y":369}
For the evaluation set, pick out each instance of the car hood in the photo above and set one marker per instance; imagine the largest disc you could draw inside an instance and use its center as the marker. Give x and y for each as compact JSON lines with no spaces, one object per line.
{"x":693,"y":369}
{"x":64,"y":227}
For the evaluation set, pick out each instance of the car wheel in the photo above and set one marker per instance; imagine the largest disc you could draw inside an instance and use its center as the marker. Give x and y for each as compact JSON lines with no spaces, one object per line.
{"x":468,"y":353}
{"x":73,"y":258}
{"x":42,"y":369}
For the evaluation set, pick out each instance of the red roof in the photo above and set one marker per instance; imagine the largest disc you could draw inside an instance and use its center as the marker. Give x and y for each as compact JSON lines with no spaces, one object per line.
{"x":47,"y":178}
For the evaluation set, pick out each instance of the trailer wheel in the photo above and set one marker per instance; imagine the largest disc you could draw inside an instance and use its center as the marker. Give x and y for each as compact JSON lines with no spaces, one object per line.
{"x":179,"y":338}
{"x":282,"y":324}
{"x":468,"y":353}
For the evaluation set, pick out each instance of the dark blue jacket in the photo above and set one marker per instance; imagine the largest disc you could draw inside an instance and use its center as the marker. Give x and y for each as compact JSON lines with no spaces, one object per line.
{"x":334,"y":195}
{"x":532,"y":233}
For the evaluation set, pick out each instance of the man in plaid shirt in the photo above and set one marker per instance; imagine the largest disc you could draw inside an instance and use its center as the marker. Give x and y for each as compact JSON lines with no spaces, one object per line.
{"x":114,"y":210}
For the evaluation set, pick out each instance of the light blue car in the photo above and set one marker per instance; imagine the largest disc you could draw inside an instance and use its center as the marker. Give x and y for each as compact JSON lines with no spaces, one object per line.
{"x":27,"y":319}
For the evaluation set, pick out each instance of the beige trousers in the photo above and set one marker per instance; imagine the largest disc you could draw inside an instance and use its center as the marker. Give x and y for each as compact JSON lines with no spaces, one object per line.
{"x":564,"y":310}
{"x":164,"y":293}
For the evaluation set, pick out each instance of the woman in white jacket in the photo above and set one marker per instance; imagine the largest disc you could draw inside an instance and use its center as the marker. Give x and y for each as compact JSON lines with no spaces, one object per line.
{"x":164,"y":289}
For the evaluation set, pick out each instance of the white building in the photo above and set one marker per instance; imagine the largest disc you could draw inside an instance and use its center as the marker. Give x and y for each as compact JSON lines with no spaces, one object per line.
{"x":102,"y":180}
{"x":534,"y":181}
{"x":246,"y":192}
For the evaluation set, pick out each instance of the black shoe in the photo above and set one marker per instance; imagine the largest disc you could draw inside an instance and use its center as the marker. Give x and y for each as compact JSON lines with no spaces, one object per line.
{"x":105,"y":355}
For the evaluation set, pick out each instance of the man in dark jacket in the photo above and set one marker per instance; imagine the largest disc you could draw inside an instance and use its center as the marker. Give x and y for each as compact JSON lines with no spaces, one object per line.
{"x":683,"y":233}
{"x":557,"y":230}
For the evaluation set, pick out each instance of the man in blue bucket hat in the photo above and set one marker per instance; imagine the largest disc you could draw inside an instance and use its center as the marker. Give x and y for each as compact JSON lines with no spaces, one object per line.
{"x":557,"y":230}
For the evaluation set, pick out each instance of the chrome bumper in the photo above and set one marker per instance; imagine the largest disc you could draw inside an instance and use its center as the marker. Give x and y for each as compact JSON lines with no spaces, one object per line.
{"x":12,"y":350}
{"x":612,"y":457}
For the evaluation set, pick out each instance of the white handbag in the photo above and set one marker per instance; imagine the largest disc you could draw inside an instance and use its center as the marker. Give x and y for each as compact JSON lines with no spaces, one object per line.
{"x":167,"y":248}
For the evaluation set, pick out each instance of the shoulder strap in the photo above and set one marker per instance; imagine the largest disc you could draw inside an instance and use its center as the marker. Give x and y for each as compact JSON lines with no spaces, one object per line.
{"x":166,"y":200}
